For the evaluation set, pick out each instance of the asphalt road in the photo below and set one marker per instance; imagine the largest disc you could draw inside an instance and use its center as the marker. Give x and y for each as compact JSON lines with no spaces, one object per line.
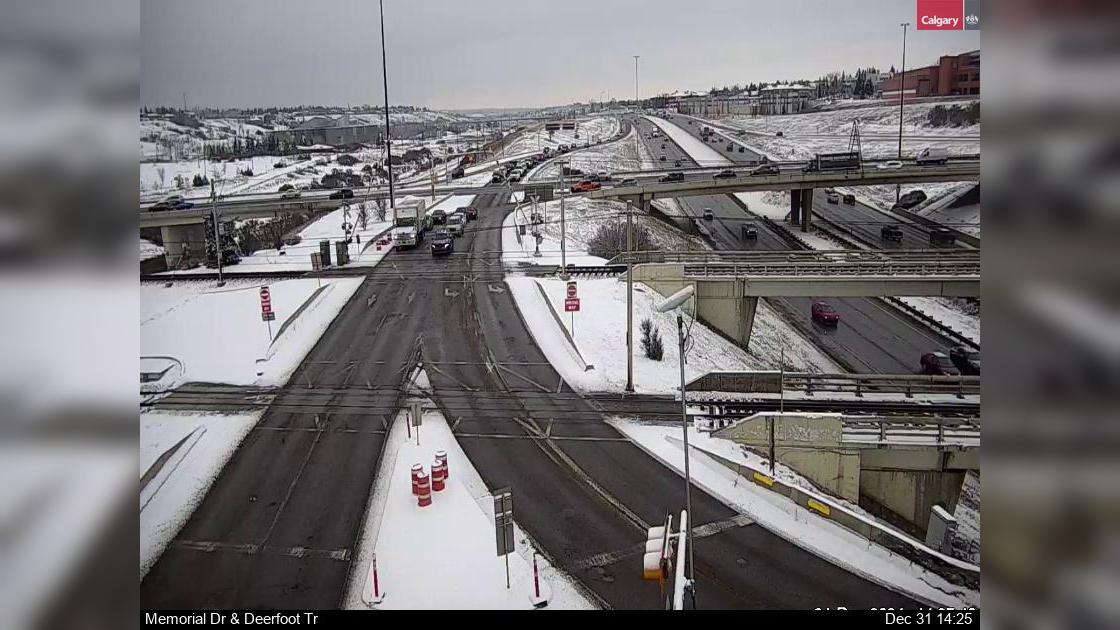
{"x":871,"y":336}
{"x":279,"y":527}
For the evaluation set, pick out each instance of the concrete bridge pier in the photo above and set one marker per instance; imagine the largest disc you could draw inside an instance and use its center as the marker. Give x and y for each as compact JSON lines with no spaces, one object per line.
{"x":795,"y":206}
{"x":177,"y":238}
{"x":806,"y":208}
{"x":725,"y":307}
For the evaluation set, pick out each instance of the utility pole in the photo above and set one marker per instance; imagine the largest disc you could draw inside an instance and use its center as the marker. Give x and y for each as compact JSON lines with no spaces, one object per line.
{"x":901,"y":101}
{"x":385,"y":87}
{"x":781,"y":404}
{"x":630,"y":298}
{"x":687,"y":474}
{"x":217,"y":231}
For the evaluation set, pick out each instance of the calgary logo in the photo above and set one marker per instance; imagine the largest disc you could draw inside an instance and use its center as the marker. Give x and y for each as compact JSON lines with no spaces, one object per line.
{"x":940,"y":15}
{"x":972,"y":19}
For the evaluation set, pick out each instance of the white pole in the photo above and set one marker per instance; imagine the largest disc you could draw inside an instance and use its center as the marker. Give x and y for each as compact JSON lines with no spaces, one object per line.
{"x":684,"y":429}
{"x":678,"y":579}
{"x":630,"y":300}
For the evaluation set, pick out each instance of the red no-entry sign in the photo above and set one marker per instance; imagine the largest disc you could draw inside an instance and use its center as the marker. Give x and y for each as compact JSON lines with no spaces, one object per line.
{"x":571,"y":290}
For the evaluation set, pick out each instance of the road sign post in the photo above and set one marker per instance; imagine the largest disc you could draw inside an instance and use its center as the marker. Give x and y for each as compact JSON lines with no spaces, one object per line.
{"x":266,"y":310}
{"x":416,"y":418}
{"x":571,"y":303}
{"x":503,"y":524}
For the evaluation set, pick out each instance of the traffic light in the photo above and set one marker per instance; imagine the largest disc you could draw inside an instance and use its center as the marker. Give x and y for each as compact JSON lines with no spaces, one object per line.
{"x":656,"y":562}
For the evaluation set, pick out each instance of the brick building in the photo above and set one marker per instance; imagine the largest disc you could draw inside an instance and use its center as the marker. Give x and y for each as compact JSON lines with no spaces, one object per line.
{"x":954,"y":75}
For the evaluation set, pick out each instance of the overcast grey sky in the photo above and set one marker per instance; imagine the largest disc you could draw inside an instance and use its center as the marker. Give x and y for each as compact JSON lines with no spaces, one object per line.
{"x":506,"y":53}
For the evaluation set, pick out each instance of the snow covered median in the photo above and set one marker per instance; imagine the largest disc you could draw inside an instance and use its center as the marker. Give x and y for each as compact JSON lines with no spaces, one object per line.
{"x":442,"y":556}
{"x":600,"y":338}
{"x":217,"y":333}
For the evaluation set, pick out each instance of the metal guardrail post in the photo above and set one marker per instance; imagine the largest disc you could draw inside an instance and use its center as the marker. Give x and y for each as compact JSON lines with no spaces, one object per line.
{"x":909,"y":394}
{"x":859,"y":388}
{"x":940,"y":433}
{"x":960,"y":388}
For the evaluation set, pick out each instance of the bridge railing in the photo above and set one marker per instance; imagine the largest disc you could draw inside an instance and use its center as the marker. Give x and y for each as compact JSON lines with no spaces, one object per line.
{"x":819,"y":269}
{"x":771,"y":382}
{"x":952,"y":257}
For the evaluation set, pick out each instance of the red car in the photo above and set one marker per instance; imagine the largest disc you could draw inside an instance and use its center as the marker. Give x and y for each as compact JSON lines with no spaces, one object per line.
{"x":938,"y":363}
{"x":586,"y":186}
{"x":824,"y":313}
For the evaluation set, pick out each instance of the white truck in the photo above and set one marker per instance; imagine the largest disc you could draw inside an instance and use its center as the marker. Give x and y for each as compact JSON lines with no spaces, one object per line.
{"x":933,"y":155}
{"x":408,"y":222}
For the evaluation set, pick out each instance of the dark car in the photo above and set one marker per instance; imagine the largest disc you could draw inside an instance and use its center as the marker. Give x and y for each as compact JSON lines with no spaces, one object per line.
{"x":443,"y":244}
{"x":938,"y":364}
{"x":457,"y":173}
{"x":967,"y":360}
{"x":850,"y":199}
{"x":630,"y":181}
{"x":725,"y":174}
{"x":942,"y":236}
{"x":572,"y":171}
{"x":749,"y":232}
{"x":345,"y":193}
{"x":672,"y":177}
{"x":439,"y":217}
{"x":780,"y":134}
{"x":471,"y":213}
{"x":891,"y":233}
{"x":824,"y":313}
{"x":160,"y":206}
{"x":765,"y":169}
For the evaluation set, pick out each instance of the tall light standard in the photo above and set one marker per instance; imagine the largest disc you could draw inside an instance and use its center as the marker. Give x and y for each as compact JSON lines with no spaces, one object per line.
{"x":385,"y":86}
{"x":672,"y":302}
{"x":901,"y":101}
{"x":636,"y":82}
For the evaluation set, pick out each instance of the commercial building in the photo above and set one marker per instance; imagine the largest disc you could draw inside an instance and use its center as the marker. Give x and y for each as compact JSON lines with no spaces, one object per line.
{"x":954,"y":75}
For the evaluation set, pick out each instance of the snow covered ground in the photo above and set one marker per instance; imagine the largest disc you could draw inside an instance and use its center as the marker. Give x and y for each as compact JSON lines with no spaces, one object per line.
{"x":583,"y":218}
{"x":443,"y":556}
{"x":202,"y":444}
{"x":788,"y":520}
{"x":149,"y":249}
{"x":950,"y":312}
{"x":591,"y":130}
{"x":600,"y":336}
{"x":804,"y":135}
{"x":217,"y":333}
{"x":363,"y":251}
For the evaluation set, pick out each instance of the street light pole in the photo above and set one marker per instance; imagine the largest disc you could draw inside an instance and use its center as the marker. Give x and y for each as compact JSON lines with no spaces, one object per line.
{"x":687,"y":474}
{"x":901,"y":101}
{"x":636,"y":82}
{"x":385,"y":87}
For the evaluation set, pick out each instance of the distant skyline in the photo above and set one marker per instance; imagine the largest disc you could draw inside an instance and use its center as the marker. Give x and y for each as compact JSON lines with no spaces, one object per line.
{"x":505,"y":54}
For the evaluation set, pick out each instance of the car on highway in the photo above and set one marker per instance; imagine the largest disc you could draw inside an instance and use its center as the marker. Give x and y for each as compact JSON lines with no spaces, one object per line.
{"x":184,"y":205}
{"x":586,"y":186}
{"x":456,"y":222}
{"x":629,"y":181}
{"x":889,"y":165}
{"x":290,"y":194}
{"x":765,"y":169}
{"x":708,"y":214}
{"x":662,"y":158}
{"x":662,"y":145}
{"x":469,"y":211}
{"x":942,"y":236}
{"x":458,"y":172}
{"x":938,"y":364}
{"x":672,"y":177}
{"x":822,"y":312}
{"x":891,"y":233}
{"x":742,"y":150}
{"x":780,"y":134}
{"x":725,"y":174}
{"x":515,"y":175}
{"x":967,"y":360}
{"x":345,"y":193}
{"x":677,"y":163}
{"x":497,"y":178}
{"x":749,"y":232}
{"x":933,"y":155}
{"x":832,"y":197}
{"x":173,"y":200}
{"x":850,"y":199}
{"x":730,"y":147}
{"x":438,"y":216}
{"x":603,"y":176}
{"x":572,"y":171}
{"x":443,"y":244}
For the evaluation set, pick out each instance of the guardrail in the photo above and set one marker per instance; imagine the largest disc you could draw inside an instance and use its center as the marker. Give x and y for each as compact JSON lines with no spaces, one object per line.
{"x":771,"y":382}
{"x":837,"y":256}
{"x":833,"y":269}
{"x":575,"y":270}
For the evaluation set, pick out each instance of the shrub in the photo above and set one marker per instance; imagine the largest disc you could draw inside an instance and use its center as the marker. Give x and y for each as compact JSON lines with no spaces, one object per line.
{"x":200,"y":180}
{"x":610,"y":240}
{"x":248,"y":172}
{"x":651,"y":341}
